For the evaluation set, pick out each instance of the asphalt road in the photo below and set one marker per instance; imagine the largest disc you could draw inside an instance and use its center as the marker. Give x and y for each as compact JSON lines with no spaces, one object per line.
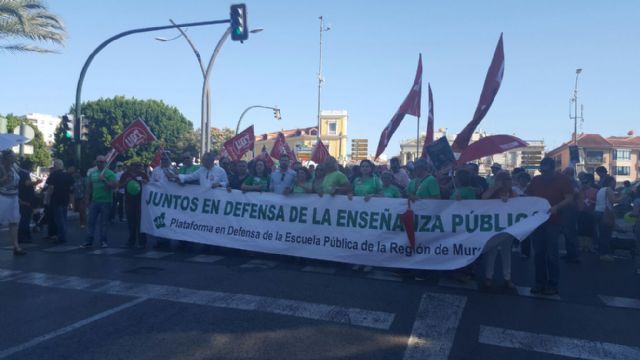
{"x":63,"y":302}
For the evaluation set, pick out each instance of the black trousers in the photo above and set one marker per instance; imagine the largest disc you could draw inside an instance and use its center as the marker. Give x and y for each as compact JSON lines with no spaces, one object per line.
{"x":133,"y":221}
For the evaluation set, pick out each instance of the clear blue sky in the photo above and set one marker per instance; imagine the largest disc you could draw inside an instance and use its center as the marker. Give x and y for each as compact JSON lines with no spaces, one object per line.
{"x":370,"y":58}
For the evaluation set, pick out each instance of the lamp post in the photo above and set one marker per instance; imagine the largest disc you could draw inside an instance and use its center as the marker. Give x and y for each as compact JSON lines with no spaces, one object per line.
{"x":205,"y":115}
{"x":575,"y":111}
{"x":276,"y":114}
{"x":320,"y":79}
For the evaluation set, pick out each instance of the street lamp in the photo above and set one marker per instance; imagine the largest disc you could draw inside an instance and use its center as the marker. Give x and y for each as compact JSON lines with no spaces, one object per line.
{"x":276,"y":114}
{"x":575,"y":112}
{"x":205,"y":120}
{"x":320,"y":79}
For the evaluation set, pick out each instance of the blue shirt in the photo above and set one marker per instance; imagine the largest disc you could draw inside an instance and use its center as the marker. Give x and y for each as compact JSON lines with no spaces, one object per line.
{"x":281,"y":180}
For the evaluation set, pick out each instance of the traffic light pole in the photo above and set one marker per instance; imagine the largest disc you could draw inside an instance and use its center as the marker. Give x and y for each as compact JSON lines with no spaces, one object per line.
{"x":205,"y":136}
{"x":85,"y":67}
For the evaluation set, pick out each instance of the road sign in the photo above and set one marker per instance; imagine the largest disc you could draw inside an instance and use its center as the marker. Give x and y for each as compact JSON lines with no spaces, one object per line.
{"x":359,"y":149}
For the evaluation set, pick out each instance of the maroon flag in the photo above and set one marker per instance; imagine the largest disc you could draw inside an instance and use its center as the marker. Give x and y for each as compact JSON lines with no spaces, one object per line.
{"x":137,"y":133}
{"x":489,"y":90}
{"x":155,"y":162}
{"x":429,"y":138}
{"x":264,"y":156}
{"x":281,"y":147}
{"x":240,"y":144}
{"x":320,"y":153}
{"x":410,"y":106}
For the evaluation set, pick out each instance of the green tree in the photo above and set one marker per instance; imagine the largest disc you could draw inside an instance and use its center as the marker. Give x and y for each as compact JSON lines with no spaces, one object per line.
{"x":219,"y":136}
{"x":109,"y":117}
{"x":41,"y":155}
{"x":28,"y":20}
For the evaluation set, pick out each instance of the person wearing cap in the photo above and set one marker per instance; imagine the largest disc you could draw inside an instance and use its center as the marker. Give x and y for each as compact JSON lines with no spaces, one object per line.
{"x":163,"y":173}
{"x":495,"y":169}
{"x":132,"y":181}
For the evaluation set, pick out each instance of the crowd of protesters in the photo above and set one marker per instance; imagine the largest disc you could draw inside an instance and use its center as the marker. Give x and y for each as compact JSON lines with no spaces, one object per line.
{"x":582,"y":210}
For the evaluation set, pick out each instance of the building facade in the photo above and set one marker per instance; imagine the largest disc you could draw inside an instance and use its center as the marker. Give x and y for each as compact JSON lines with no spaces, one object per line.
{"x":47,"y":124}
{"x":620,"y":155}
{"x":333,"y":133}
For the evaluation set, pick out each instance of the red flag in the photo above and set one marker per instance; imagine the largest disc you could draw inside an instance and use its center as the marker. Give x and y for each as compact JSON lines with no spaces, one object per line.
{"x":240,"y":144}
{"x":489,"y":90}
{"x":111,"y":155}
{"x":155,"y":162}
{"x":137,"y":133}
{"x":407,"y":219}
{"x":264,"y":156}
{"x":281,"y":147}
{"x":320,"y":153}
{"x":429,"y":138}
{"x":410,"y":106}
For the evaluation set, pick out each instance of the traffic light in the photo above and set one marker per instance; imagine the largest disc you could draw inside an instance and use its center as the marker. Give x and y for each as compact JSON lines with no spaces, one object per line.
{"x":276,"y":114}
{"x":239,"y":27}
{"x":84,"y":128}
{"x":67,"y":126}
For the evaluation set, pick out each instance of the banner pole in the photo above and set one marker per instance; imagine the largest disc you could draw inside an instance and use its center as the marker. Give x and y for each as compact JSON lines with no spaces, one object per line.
{"x":418,"y":140}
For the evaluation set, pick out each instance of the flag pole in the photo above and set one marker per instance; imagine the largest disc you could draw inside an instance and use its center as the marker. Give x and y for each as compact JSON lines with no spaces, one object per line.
{"x":418,"y":140}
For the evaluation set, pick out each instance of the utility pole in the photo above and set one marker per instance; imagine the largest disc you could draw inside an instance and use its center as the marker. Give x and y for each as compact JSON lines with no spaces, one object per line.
{"x":320,"y":79}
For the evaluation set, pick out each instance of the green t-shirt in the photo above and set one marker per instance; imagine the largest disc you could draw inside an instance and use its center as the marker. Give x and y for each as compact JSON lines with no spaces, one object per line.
{"x":258,"y":180}
{"x":428,"y":188}
{"x":334,"y":180}
{"x":370,"y":186}
{"x":391,"y":191}
{"x":100,"y":193}
{"x":186,"y":170}
{"x":466,"y":193}
{"x":297,"y":189}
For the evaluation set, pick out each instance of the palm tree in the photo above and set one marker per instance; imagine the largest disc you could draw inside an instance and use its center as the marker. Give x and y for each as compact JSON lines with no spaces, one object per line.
{"x":29,"y":20}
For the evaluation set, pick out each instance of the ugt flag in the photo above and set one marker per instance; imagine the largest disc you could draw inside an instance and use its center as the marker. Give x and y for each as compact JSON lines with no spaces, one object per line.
{"x":489,"y":90}
{"x":240,"y":144}
{"x":410,"y":106}
{"x":264,"y":156}
{"x":137,"y":133}
{"x":281,"y":147}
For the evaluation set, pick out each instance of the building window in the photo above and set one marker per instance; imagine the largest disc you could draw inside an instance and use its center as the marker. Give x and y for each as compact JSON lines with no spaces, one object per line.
{"x":333,"y":128}
{"x":622,"y":170}
{"x":594,"y":157}
{"x":622,"y":154}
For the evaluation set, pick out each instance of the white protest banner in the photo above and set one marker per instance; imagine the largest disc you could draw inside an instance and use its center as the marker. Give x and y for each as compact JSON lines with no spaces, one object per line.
{"x":449,"y":234}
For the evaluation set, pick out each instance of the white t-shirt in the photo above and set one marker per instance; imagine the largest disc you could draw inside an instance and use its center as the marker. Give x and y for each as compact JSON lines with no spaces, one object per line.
{"x":601,"y":199}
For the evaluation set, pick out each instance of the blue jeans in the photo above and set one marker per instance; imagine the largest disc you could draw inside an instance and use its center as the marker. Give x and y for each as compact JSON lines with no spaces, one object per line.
{"x":60,"y":219}
{"x":98,"y":211}
{"x":546,"y":256}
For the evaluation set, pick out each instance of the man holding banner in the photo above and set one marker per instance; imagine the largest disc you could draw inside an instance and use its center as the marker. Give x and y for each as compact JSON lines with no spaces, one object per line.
{"x":209,"y":175}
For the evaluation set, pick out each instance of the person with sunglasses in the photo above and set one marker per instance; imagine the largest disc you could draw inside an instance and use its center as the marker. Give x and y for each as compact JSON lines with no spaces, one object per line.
{"x":283,"y":178}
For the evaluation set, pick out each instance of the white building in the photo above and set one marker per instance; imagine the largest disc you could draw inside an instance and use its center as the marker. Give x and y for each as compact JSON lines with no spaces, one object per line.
{"x":47,"y":124}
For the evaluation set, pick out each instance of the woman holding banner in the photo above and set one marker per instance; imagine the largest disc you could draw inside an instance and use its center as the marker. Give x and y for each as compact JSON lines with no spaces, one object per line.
{"x":501,"y":189}
{"x":367,"y":184}
{"x":301,"y":184}
{"x":258,"y":179}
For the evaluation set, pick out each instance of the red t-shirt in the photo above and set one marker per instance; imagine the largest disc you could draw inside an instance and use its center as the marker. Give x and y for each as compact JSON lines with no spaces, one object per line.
{"x":553,"y":188}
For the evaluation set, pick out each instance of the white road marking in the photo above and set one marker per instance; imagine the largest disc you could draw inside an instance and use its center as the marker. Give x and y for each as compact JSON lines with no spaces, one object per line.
{"x":62,"y":248}
{"x":37,"y":340}
{"x":8,"y":274}
{"x":469,"y":285}
{"x":260,"y":264}
{"x":108,"y":251}
{"x":622,"y":302}
{"x":557,"y":345}
{"x":302,"y":309}
{"x":526,"y":291}
{"x":320,"y":269}
{"x":435,"y":327}
{"x":384,"y":275}
{"x":154,"y":254}
{"x":206,"y":258}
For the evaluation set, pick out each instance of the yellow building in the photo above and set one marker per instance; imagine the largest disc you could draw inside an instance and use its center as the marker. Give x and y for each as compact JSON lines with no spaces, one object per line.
{"x":333,"y":133}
